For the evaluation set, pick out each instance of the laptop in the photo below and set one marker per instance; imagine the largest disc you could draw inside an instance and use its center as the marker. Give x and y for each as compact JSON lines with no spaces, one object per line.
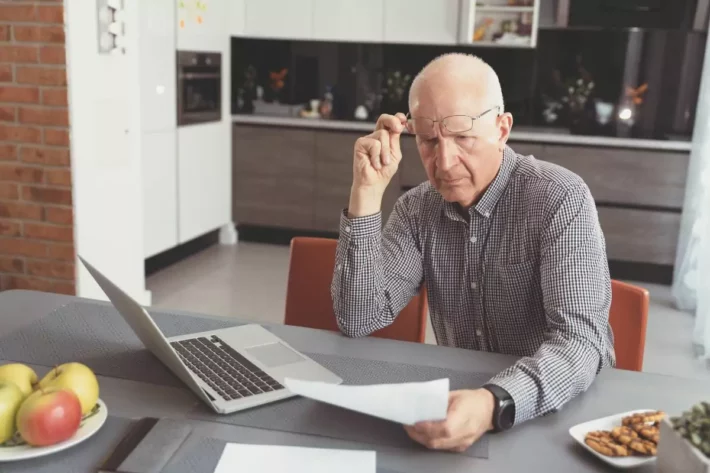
{"x":230,"y":369}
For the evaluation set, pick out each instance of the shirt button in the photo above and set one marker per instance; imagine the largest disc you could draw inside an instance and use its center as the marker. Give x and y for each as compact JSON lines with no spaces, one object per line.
{"x":347,"y":229}
{"x":487,"y":214}
{"x":473,"y":285}
{"x":339,"y":267}
{"x":473,"y":239}
{"x":478,"y":333}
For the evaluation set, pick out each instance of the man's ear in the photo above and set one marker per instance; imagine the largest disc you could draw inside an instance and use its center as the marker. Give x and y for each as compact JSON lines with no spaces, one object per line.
{"x":505,"y":125}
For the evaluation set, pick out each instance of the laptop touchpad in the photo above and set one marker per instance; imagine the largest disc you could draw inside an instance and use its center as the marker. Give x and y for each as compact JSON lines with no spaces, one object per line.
{"x":275,"y":354}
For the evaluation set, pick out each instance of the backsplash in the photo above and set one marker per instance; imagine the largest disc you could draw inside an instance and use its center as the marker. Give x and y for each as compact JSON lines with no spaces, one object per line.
{"x":629,"y":83}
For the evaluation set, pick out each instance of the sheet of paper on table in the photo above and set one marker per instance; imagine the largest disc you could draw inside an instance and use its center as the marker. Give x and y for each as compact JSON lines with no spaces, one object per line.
{"x":238,"y":458}
{"x":405,"y":403}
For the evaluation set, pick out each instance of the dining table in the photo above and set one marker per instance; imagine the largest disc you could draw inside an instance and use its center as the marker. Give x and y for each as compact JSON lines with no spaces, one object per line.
{"x":43,"y":330}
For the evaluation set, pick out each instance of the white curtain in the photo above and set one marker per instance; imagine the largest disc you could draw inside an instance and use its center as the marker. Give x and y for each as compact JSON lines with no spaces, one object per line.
{"x":691,"y":280}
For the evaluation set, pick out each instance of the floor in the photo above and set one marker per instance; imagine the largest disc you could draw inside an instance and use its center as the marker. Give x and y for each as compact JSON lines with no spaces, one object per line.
{"x":248,"y":281}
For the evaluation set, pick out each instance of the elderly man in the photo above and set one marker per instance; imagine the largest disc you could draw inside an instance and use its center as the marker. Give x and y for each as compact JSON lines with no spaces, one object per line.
{"x":509,"y":247}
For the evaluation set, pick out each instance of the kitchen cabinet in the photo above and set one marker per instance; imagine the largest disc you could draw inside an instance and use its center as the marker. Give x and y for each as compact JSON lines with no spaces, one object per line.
{"x":156,"y":66}
{"x":160,"y":193}
{"x":291,"y":19}
{"x":204,"y":179}
{"x":348,"y":20}
{"x":421,"y":21}
{"x":236,"y":17}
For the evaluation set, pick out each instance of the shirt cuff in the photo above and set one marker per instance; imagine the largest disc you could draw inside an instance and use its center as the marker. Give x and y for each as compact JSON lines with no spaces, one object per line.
{"x":360,"y":227}
{"x":524,"y":392}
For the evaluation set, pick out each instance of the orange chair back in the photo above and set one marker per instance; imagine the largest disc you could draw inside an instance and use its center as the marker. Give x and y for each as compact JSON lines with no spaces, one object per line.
{"x":628,"y":317}
{"x":309,"y":302}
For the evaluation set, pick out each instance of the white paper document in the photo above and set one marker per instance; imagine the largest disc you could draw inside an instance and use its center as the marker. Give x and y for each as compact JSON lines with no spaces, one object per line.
{"x":405,"y":403}
{"x":238,"y":458}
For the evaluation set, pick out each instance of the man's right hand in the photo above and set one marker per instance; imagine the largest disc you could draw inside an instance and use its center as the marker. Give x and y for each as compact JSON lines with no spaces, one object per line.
{"x":375,"y":160}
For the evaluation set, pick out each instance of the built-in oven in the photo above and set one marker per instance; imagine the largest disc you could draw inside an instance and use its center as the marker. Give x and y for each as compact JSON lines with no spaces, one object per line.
{"x":199,"y":87}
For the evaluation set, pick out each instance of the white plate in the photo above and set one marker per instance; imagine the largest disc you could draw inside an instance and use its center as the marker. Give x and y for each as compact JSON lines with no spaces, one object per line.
{"x":89,"y":426}
{"x":579,"y":431}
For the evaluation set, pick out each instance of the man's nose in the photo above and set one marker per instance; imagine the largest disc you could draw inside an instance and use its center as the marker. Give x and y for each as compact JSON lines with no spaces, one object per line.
{"x":446,"y":158}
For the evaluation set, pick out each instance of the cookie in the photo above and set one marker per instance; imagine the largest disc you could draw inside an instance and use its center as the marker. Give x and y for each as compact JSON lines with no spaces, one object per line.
{"x":643,"y":447}
{"x":624,"y":435}
{"x":602,"y":442}
{"x":648,"y":432}
{"x":643,"y":418}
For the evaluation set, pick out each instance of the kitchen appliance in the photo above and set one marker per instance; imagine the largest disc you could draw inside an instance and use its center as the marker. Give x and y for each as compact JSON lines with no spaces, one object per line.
{"x":199,"y":87}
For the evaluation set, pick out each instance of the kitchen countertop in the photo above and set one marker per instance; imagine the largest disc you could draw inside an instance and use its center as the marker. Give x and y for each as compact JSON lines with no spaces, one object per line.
{"x":527,"y":134}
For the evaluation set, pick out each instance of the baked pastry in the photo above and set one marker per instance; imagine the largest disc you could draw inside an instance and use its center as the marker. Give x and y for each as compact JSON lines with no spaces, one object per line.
{"x":643,"y":447}
{"x":602,"y":442}
{"x":624,"y":435}
{"x":643,"y":418}
{"x":648,"y":432}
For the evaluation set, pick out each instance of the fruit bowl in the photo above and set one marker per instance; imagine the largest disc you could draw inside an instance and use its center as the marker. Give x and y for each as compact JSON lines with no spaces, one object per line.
{"x":14,"y":450}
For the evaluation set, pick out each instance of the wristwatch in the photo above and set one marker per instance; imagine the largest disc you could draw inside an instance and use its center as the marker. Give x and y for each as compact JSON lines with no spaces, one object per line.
{"x":504,"y":411}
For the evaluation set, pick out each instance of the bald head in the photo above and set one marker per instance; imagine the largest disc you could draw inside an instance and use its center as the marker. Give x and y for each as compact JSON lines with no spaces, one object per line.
{"x":458,"y":73}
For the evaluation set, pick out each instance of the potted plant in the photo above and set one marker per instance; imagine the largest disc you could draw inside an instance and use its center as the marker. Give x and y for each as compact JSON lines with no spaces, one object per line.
{"x":685,"y":442}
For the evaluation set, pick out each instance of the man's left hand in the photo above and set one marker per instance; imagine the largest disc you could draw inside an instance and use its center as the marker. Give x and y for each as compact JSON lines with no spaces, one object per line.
{"x":470,"y":415}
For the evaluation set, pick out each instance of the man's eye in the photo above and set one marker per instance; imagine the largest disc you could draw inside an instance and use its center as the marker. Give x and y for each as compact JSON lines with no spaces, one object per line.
{"x":464,"y":138}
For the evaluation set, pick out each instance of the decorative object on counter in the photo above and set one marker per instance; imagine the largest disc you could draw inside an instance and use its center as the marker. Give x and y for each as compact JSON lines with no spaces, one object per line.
{"x":310,"y":110}
{"x":247,"y":92}
{"x":685,"y":441}
{"x":395,"y":90}
{"x":604,"y":111}
{"x":325,"y":109}
{"x":361,"y":113}
{"x":277,"y":80}
{"x":551,"y":110}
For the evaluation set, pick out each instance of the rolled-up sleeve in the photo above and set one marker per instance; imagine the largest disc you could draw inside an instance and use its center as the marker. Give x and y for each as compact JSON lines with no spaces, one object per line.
{"x":377,"y":271}
{"x":576,"y":288}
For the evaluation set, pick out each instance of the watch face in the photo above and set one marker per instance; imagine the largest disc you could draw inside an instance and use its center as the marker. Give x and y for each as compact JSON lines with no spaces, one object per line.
{"x":507,"y":415}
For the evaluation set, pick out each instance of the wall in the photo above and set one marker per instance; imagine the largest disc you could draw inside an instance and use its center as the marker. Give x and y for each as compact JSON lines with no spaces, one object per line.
{"x":36,"y":221}
{"x":105,"y":148}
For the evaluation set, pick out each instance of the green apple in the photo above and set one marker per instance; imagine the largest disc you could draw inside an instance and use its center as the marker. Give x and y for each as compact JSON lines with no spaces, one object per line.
{"x":22,"y":375}
{"x":10,"y":401}
{"x":75,"y":377}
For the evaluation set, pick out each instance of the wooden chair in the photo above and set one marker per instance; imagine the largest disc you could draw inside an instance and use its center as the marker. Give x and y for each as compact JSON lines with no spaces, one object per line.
{"x":308,"y":299}
{"x":628,"y":317}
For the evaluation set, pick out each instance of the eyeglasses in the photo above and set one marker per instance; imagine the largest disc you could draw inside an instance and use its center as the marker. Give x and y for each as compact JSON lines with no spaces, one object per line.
{"x":425,"y":128}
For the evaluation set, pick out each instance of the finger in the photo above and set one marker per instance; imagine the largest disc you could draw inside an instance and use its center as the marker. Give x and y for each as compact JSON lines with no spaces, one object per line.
{"x":384,"y":139}
{"x":389,"y":122}
{"x":419,"y":437}
{"x":370,"y":149}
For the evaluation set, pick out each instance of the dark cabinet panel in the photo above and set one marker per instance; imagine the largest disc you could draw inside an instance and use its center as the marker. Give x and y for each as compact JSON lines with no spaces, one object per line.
{"x":640,"y":235}
{"x":274,"y":151}
{"x":282,"y":201}
{"x":624,"y":176}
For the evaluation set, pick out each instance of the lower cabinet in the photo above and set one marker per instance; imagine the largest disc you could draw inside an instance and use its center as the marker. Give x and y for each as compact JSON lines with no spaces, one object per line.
{"x":160,"y":194}
{"x":301,"y":179}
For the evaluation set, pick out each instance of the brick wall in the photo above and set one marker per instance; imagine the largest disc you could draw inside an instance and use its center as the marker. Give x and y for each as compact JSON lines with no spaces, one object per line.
{"x":36,"y":227}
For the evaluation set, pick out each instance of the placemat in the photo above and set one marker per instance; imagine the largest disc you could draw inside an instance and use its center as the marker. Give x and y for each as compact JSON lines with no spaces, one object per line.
{"x":97,"y":336}
{"x":82,"y":458}
{"x":305,"y":416}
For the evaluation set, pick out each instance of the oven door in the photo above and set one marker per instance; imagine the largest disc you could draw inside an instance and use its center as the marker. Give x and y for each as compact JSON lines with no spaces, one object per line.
{"x":199,"y":92}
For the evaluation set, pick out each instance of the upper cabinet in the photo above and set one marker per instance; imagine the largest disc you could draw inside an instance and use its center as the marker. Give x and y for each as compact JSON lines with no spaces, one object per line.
{"x":156,"y":57}
{"x":236,"y":17}
{"x":348,"y":20}
{"x":421,"y":21}
{"x":202,"y":24}
{"x":291,"y":19}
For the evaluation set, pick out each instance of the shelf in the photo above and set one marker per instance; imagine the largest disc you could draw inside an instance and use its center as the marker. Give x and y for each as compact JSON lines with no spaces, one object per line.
{"x":493,"y":44}
{"x":504,"y":9}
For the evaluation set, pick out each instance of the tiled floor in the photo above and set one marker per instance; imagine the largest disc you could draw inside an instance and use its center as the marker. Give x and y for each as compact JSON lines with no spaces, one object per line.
{"x":248,"y":281}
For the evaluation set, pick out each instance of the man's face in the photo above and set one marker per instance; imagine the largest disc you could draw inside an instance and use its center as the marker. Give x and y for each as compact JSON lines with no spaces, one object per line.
{"x":461,"y":156}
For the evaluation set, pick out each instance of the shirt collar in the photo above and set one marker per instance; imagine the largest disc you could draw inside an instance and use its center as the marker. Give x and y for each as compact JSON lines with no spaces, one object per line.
{"x":495,"y":191}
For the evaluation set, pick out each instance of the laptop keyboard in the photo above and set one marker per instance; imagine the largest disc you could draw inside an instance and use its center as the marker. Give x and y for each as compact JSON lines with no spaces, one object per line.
{"x":227,"y":372}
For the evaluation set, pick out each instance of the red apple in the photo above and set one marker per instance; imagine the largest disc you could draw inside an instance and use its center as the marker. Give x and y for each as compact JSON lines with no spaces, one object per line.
{"x":49,"y":416}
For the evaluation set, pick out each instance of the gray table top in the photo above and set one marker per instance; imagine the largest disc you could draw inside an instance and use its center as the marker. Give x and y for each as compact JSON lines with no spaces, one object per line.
{"x":541,"y":445}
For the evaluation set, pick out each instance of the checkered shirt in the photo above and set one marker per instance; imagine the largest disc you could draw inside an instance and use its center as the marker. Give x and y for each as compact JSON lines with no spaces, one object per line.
{"x":525,"y":274}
